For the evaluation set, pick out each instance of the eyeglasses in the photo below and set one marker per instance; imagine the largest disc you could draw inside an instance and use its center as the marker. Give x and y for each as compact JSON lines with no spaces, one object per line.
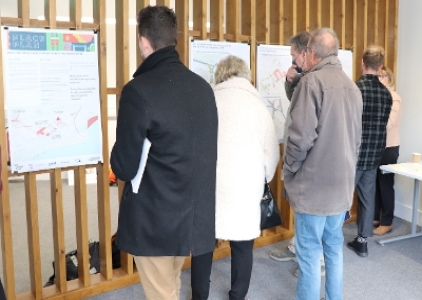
{"x":294,"y":59}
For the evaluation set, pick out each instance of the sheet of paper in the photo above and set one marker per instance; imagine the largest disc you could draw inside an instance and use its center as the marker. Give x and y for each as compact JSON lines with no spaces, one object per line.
{"x":136,"y":181}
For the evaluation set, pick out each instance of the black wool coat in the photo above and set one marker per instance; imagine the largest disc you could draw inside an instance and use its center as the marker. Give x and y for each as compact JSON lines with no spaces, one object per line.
{"x":173,"y":213}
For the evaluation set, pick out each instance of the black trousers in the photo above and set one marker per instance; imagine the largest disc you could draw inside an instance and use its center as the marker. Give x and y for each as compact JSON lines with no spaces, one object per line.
{"x":2,"y":294}
{"x":384,"y":194}
{"x":241,"y":268}
{"x":241,"y":271}
{"x":200,"y":276}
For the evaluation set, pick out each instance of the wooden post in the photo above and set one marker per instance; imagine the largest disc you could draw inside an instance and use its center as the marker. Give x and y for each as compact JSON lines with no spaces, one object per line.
{"x":5,"y":213}
{"x":233,"y":23}
{"x":23,"y":12}
{"x":217,"y":19}
{"x":103,"y":188}
{"x":33,"y":234}
{"x":276,"y":22}
{"x":50,"y":14}
{"x":163,"y":2}
{"x":182,"y":13}
{"x":58,"y":230}
{"x":75,"y":8}
{"x":81,"y":212}
{"x":139,"y":5}
{"x":263,"y":19}
{"x":253,"y":35}
{"x":200,"y":17}
{"x":122,"y":77}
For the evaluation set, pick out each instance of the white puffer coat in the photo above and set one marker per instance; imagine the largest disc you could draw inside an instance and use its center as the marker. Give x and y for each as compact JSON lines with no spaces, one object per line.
{"x":248,"y":152}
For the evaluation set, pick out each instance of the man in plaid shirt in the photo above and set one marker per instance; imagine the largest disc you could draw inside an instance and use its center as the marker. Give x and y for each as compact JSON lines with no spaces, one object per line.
{"x":377,"y":103}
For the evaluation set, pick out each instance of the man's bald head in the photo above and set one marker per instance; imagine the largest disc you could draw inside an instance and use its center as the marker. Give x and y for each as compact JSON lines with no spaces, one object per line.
{"x":324,"y":42}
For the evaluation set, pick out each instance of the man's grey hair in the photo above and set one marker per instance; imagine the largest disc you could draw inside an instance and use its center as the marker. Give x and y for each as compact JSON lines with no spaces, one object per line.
{"x":300,"y":41}
{"x":231,"y":66}
{"x":324,"y":42}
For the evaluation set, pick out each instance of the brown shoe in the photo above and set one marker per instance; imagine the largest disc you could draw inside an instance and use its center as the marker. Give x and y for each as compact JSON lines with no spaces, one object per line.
{"x":381,"y":230}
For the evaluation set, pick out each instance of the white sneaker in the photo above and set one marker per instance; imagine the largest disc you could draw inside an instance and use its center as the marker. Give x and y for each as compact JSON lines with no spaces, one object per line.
{"x":283,"y":255}
{"x":296,"y":272}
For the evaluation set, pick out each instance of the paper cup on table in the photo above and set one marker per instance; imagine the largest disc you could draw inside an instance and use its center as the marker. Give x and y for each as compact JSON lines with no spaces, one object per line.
{"x":416,"y":158}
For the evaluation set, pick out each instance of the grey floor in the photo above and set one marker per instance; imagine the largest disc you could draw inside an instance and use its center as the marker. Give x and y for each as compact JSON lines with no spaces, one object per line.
{"x":393,"y":271}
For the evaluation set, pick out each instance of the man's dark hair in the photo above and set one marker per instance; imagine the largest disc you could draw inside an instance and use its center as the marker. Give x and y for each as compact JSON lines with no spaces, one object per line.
{"x":159,"y":25}
{"x":300,"y":40}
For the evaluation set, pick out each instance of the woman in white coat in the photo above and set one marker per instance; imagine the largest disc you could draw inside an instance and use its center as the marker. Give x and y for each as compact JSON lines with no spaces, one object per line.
{"x":248,"y":153}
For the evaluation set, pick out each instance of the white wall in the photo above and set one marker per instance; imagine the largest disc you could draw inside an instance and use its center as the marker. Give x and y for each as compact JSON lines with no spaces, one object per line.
{"x":409,"y":87}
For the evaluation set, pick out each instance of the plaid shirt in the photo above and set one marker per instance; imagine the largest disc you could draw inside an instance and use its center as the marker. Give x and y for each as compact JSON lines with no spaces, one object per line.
{"x":377,"y":103}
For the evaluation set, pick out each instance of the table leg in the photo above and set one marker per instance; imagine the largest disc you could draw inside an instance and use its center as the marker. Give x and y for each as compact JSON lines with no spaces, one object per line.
{"x":414,"y":219}
{"x":415,"y":206}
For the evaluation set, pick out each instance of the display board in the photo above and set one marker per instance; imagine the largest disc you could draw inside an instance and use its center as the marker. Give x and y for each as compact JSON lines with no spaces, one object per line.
{"x":273,"y":61}
{"x":205,"y":55}
{"x":52,"y":98}
{"x":346,"y":58}
{"x":271,"y":67}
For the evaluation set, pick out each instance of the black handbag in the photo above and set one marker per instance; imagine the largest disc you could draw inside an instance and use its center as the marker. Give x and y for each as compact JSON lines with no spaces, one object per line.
{"x":270,"y":215}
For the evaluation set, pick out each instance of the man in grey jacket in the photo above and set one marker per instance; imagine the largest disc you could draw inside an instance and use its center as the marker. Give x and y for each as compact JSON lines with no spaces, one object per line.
{"x":319,"y":167}
{"x":298,"y":44}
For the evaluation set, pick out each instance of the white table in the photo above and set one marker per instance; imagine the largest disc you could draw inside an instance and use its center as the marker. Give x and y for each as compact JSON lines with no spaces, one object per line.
{"x":414,"y":171}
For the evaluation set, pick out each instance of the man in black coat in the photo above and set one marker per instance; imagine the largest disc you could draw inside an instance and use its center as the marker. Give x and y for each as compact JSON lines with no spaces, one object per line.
{"x":172,"y":213}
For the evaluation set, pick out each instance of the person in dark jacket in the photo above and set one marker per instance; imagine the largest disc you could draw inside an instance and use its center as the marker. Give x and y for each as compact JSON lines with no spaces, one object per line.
{"x":172,"y":213}
{"x":377,"y":103}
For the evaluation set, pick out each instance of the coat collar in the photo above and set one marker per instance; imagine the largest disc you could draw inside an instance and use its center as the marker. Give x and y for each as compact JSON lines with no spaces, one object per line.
{"x":239,"y":83}
{"x":370,"y":77}
{"x":331,"y":61}
{"x":163,"y":56}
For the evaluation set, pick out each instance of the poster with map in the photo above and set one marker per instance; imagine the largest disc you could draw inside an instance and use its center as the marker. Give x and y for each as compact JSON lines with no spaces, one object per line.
{"x":273,"y":61}
{"x":205,"y":55}
{"x":272,"y":64}
{"x":52,"y":98}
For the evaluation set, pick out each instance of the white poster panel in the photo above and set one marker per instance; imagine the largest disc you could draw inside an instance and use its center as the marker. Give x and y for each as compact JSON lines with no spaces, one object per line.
{"x":272,"y":64}
{"x":52,"y":97}
{"x":346,"y":58}
{"x":205,"y":55}
{"x":273,"y":61}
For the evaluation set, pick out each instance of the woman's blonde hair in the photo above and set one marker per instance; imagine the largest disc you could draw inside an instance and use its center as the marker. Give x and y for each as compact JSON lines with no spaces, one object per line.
{"x":231,"y":66}
{"x":388,"y":74}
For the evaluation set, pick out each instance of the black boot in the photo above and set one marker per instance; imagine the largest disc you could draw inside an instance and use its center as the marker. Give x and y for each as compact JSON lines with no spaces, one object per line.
{"x":359,"y":245}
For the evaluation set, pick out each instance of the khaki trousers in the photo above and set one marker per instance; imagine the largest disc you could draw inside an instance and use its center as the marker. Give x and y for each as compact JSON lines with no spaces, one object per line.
{"x":160,"y":276}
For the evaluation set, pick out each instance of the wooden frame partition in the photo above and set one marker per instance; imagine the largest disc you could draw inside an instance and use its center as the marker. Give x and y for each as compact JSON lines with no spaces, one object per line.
{"x":358,"y":23}
{"x":86,"y":284}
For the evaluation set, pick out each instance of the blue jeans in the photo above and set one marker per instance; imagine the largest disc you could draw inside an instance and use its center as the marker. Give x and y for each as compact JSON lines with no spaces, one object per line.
{"x":316,"y":235}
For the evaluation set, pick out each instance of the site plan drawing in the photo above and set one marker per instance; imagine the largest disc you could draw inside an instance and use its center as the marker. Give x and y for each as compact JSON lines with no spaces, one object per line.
{"x":205,"y":55}
{"x":272,"y":64}
{"x":52,"y":98}
{"x":273,"y":61}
